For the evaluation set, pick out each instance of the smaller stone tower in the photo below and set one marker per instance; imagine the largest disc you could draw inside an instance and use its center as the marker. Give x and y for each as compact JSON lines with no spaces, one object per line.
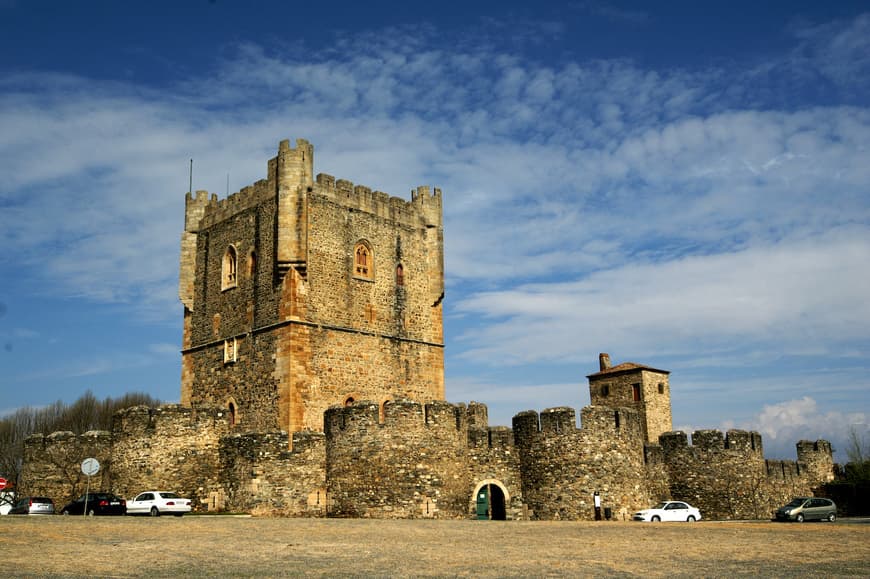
{"x":635,"y":386}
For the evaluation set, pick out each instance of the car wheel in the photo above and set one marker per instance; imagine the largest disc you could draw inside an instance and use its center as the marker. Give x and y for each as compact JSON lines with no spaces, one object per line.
{"x":90,"y":512}
{"x":155,"y":512}
{"x":799,"y":518}
{"x":64,"y":512}
{"x":832,"y":517}
{"x":656,"y":519}
{"x":691,"y":519}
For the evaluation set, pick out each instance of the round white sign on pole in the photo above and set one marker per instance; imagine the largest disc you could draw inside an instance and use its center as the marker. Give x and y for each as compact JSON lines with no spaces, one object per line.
{"x":90,"y":466}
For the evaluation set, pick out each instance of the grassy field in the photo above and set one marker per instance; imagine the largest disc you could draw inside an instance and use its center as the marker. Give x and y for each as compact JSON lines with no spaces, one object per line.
{"x":217,"y":546}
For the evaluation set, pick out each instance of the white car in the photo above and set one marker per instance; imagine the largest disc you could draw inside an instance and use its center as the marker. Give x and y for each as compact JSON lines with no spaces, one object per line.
{"x":7,"y":499}
{"x":156,"y":503}
{"x":669,"y":511}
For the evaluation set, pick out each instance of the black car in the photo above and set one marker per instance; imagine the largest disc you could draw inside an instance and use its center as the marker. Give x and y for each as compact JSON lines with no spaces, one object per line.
{"x":96,"y":504}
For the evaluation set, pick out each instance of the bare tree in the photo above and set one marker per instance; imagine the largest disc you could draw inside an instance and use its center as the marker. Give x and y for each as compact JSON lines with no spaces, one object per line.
{"x":85,"y":414}
{"x":858,"y":452}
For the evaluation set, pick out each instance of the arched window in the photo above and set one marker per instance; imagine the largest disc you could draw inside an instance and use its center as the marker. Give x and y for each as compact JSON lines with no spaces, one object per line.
{"x":252,"y":264}
{"x":400,"y":275}
{"x":349,"y":401}
{"x":232,"y":411}
{"x":363,"y":260}
{"x":228,"y":269}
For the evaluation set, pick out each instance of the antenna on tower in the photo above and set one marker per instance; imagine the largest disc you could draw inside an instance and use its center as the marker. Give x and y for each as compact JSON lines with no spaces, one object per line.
{"x":190,"y":186}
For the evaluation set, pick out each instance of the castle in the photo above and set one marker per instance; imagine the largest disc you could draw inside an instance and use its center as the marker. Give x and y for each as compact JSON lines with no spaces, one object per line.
{"x":312,"y":384}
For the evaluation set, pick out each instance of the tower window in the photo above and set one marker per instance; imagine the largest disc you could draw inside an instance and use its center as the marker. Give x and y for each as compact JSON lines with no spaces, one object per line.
{"x":252,"y":264}
{"x":363,"y":260}
{"x":635,"y":392}
{"x":661,"y":387}
{"x":400,"y":275}
{"x":605,"y":390}
{"x":228,"y":269}
{"x":230,"y":351}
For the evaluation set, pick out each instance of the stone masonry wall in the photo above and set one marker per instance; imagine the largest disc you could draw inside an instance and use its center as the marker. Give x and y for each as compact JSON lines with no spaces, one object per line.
{"x":170,"y":448}
{"x":260,"y":475}
{"x":307,"y":329}
{"x":563,"y":466}
{"x":52,"y":465}
{"x":413,"y":465}
{"x":727,"y":477}
{"x":615,"y":390}
{"x":493,"y":459}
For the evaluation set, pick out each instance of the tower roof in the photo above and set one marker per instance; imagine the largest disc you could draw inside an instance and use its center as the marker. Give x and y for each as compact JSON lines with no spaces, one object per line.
{"x":624,"y":368}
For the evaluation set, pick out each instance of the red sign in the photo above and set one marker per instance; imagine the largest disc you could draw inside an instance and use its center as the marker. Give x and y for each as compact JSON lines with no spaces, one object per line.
{"x":3,"y":483}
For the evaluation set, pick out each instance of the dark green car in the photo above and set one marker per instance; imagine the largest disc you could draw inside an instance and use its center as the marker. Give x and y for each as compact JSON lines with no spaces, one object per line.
{"x":803,"y":509}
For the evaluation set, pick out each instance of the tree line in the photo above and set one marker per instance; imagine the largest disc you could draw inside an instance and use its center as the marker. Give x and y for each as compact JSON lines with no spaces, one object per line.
{"x":85,"y":414}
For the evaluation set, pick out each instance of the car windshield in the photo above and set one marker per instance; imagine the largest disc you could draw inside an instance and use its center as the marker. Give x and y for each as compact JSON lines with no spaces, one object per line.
{"x":660,"y":506}
{"x":796,"y":503}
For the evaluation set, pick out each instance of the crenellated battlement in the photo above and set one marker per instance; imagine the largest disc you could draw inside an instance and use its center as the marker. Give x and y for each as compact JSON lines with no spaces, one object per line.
{"x":818,"y":458}
{"x":364,"y":417}
{"x":292,"y":168}
{"x":140,"y":421}
{"x":424,"y":208}
{"x":711,"y":440}
{"x":595,"y":422}
{"x":782,"y":470}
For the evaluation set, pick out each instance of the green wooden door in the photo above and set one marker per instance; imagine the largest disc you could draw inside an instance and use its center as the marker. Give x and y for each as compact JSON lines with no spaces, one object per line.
{"x":483,"y":503}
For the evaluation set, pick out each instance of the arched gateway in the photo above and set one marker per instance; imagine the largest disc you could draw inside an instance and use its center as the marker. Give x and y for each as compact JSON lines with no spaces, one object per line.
{"x":490,"y":500}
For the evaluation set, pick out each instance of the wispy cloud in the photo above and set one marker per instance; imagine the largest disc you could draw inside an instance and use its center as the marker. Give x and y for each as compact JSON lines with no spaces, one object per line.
{"x":676,"y":214}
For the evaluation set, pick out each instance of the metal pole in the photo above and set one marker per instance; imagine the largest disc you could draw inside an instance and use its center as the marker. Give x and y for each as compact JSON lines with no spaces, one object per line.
{"x":87,"y":492}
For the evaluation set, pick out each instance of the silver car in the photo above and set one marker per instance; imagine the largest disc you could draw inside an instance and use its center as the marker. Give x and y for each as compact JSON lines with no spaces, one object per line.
{"x":803,"y":509}
{"x":33,"y":506}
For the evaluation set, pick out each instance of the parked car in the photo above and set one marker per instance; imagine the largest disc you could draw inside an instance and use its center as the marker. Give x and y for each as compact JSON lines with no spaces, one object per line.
{"x":802,"y":509}
{"x":96,"y":504}
{"x":7,"y":501}
{"x":669,"y":511}
{"x":156,"y":503}
{"x":33,"y":506}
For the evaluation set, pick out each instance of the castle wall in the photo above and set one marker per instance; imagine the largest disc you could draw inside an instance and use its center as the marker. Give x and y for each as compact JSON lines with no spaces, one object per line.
{"x":261,"y":476}
{"x":563,"y":466}
{"x":727,"y":477}
{"x":493,"y":459}
{"x":413,"y":465}
{"x":52,"y":465}
{"x":170,"y":448}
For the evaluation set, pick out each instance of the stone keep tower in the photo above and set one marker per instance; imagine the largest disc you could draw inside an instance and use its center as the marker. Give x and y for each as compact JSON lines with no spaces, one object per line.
{"x":301,"y":293}
{"x":634,"y":386}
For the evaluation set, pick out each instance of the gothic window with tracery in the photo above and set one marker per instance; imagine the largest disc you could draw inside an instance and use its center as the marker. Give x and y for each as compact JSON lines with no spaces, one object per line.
{"x":363,"y":264}
{"x":228,"y":270}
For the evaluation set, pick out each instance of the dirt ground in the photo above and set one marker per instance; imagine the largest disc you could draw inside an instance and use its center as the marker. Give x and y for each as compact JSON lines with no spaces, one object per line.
{"x":221,"y":546}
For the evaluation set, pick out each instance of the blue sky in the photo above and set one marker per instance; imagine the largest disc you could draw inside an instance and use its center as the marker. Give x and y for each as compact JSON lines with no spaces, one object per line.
{"x":686,"y":187}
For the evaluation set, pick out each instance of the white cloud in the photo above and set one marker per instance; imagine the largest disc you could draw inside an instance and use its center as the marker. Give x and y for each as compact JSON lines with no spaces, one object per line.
{"x":784,"y":423}
{"x":773,"y":297}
